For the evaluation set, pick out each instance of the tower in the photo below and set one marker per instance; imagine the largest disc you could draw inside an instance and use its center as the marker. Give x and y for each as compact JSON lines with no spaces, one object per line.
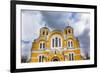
{"x":68,"y":30}
{"x":44,"y":31}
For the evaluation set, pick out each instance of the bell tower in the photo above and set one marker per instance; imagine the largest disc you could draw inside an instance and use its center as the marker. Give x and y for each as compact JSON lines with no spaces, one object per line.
{"x":44,"y":31}
{"x":68,"y":30}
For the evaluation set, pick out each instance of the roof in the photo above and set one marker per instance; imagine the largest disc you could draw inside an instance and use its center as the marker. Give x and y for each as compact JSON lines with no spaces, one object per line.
{"x":44,"y":28}
{"x":68,"y":27}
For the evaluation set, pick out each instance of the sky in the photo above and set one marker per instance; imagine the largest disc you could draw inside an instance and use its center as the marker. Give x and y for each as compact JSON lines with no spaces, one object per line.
{"x":32,"y":21}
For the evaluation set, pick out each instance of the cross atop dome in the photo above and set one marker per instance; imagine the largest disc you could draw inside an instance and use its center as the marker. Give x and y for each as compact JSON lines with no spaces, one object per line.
{"x":68,"y":30}
{"x":68,"y":22}
{"x":44,"y":23}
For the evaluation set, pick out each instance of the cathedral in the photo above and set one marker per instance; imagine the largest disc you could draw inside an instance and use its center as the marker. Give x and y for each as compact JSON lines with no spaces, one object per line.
{"x":55,"y":45}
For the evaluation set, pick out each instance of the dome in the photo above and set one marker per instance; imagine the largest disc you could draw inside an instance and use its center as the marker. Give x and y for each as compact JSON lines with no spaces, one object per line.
{"x":68,"y":30}
{"x":68,"y":27}
{"x":44,"y":31}
{"x":44,"y":28}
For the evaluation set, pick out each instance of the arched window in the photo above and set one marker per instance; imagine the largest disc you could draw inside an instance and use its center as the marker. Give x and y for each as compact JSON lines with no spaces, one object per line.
{"x":70,"y":44}
{"x":59,"y":42}
{"x":43,"y":32}
{"x":42,"y":45}
{"x":56,"y":42}
{"x":52,"y":42}
{"x":69,"y":31}
{"x":71,"y":56}
{"x":47,"y":33}
{"x":41,"y":57}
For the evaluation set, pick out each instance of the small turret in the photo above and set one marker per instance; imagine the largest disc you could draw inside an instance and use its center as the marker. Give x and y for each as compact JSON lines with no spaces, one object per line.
{"x":68,"y":30}
{"x":44,"y":31}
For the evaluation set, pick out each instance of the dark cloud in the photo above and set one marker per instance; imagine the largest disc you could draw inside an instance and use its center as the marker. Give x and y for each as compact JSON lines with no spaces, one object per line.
{"x":85,"y":41}
{"x":55,"y":20}
{"x":26,"y":47}
{"x":58,"y":20}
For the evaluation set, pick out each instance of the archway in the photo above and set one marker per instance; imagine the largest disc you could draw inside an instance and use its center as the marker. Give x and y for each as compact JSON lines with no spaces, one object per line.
{"x":55,"y":59}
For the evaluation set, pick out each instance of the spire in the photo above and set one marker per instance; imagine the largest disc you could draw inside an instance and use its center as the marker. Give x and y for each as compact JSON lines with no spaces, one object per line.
{"x":45,"y":24}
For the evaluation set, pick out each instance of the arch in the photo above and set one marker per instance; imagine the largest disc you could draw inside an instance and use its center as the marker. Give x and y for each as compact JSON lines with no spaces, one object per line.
{"x":70,"y":43}
{"x":42,"y":45}
{"x":44,"y":31}
{"x":71,"y":56}
{"x":68,"y":30}
{"x":55,"y":59}
{"x":52,"y":39}
{"x":56,"y":32}
{"x":56,"y":41}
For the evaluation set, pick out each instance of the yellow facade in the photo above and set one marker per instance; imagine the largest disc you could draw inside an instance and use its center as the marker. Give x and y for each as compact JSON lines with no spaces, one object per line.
{"x":56,"y":45}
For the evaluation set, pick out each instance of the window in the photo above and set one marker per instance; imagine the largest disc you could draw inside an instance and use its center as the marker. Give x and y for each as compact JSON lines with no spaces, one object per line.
{"x":42,"y":45}
{"x":71,"y":56}
{"x":43,"y":32}
{"x":41,"y":57}
{"x":47,"y":33}
{"x":56,"y":42}
{"x":69,"y":31}
{"x":52,"y":42}
{"x":70,"y":44}
{"x":59,"y":42}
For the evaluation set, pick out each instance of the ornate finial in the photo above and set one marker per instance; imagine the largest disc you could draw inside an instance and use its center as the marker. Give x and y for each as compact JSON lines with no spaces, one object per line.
{"x":44,"y":24}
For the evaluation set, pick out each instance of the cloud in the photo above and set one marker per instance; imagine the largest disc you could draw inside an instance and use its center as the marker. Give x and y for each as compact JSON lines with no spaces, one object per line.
{"x":85,"y":42}
{"x":56,"y":20}
{"x":79,"y":21}
{"x":82,"y":31}
{"x":82,"y":24}
{"x":26,"y":47}
{"x":32,"y":21}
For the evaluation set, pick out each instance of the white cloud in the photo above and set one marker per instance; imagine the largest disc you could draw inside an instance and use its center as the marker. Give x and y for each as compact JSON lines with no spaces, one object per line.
{"x":31,"y":21}
{"x":82,"y":24}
